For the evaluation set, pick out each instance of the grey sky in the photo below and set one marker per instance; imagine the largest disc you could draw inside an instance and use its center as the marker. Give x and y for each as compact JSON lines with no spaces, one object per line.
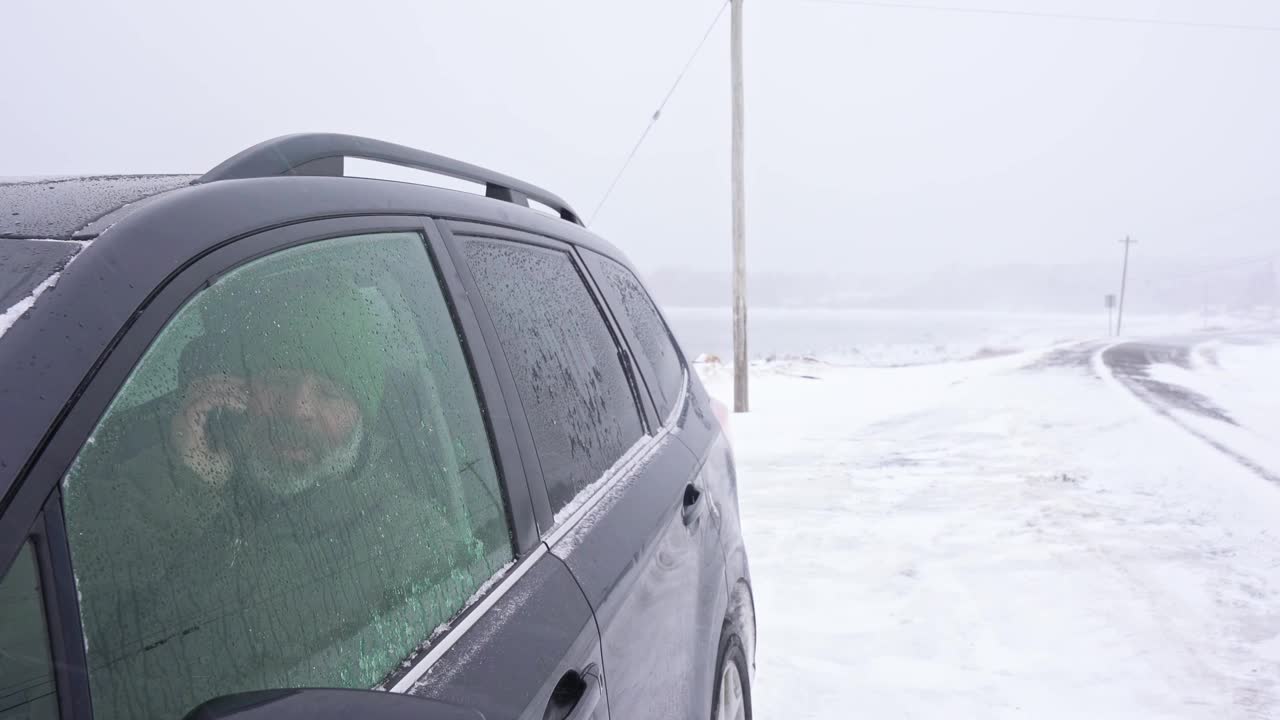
{"x":877,"y":138}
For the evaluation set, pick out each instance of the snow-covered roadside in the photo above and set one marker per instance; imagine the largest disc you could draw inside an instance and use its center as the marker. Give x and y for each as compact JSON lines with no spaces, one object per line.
{"x":1240,"y":375}
{"x":1008,"y":537}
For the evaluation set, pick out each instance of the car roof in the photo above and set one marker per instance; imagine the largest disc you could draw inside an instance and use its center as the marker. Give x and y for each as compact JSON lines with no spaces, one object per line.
{"x":136,"y":232}
{"x":61,"y":208}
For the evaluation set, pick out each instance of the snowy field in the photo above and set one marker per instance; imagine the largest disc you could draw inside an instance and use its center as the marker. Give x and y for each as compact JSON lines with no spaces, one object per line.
{"x":1012,"y":537}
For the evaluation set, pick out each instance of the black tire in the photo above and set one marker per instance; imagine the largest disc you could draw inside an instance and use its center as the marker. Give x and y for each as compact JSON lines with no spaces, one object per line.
{"x":731,"y":652}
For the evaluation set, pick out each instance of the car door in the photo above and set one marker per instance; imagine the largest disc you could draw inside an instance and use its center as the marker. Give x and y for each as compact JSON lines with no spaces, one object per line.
{"x":625,"y":512}
{"x":297,"y":468}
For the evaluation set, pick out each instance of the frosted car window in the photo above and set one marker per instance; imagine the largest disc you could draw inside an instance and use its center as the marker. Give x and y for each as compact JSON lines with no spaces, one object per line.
{"x":294,"y":487}
{"x":564,"y":359}
{"x":655,"y":349}
{"x":26,"y":671}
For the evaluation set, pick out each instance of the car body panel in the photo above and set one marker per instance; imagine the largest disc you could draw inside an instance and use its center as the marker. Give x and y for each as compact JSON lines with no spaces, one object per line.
{"x":656,"y":582}
{"x":508,"y":663}
{"x":707,"y":440}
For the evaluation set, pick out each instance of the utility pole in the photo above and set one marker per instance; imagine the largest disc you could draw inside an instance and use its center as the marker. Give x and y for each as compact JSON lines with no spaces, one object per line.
{"x":1124,"y":277}
{"x":740,"y":361}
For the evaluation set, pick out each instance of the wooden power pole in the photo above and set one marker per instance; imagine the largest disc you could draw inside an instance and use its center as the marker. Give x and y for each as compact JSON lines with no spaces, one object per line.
{"x":740,"y":359}
{"x":1124,"y":277}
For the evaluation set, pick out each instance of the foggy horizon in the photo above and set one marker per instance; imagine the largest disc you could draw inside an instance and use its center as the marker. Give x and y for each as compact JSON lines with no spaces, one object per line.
{"x":880,"y":140}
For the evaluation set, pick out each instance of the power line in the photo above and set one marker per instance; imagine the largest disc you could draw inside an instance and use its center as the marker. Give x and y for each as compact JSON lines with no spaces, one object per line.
{"x":1048,"y":15}
{"x":653,"y":120}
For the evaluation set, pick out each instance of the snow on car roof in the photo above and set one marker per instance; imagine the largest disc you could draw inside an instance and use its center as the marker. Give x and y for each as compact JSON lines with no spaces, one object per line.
{"x":58,"y":208}
{"x":27,"y":269}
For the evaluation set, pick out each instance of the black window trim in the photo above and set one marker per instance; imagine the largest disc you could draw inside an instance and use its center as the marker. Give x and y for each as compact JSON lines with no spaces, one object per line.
{"x":66,"y":651}
{"x":492,"y":397}
{"x":536,"y":483}
{"x":100,"y":387}
{"x":628,"y":332}
{"x":57,"y":578}
{"x":624,"y":335}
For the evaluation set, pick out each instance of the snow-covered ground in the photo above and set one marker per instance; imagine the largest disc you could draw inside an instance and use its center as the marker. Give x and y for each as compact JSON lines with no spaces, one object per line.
{"x":1015,"y":536}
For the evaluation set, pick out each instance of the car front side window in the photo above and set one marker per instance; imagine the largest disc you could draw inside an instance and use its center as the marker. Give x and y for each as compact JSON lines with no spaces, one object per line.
{"x":294,"y":487}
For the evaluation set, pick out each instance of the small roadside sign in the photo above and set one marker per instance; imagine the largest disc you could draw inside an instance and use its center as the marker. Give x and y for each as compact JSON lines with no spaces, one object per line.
{"x":1110,"y":301}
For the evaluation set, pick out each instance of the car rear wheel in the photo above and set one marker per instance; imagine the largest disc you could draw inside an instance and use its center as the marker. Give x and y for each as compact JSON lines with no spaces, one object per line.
{"x":732,"y":698}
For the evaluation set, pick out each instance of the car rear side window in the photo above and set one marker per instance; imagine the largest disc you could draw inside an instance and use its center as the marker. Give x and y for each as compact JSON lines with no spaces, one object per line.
{"x":294,"y":487}
{"x":652,"y":343}
{"x":26,"y":671}
{"x":564,"y":359}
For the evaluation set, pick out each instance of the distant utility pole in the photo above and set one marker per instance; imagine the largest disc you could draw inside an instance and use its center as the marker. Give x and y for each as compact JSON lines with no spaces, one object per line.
{"x":1124,"y":277}
{"x":740,"y":362}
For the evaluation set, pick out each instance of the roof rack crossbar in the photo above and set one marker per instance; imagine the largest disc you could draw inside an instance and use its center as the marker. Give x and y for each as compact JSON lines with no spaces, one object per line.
{"x":323,"y":154}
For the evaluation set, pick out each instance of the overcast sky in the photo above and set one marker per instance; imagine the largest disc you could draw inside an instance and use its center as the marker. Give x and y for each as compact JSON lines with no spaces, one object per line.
{"x":878,"y":138}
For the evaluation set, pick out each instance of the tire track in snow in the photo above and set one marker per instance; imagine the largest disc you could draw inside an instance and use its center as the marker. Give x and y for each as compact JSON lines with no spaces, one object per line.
{"x":1128,"y":363}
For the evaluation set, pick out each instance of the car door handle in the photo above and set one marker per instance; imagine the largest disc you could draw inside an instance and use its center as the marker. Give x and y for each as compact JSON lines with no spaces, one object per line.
{"x":695,"y":504}
{"x":589,"y":693}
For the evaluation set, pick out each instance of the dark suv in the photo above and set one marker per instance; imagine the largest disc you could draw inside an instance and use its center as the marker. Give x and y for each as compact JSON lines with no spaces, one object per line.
{"x":272,"y":428}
